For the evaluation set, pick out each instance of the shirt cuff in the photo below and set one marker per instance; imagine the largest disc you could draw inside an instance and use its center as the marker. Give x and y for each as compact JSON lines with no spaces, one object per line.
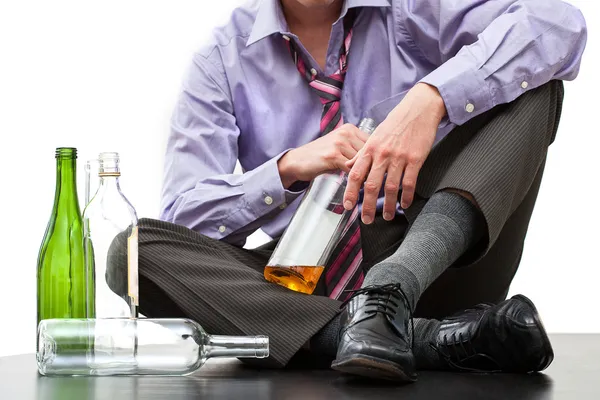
{"x":264,"y":189}
{"x":462,"y":86}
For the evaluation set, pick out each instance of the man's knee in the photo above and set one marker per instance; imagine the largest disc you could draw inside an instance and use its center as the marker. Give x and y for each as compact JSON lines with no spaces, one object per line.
{"x":546,"y":100}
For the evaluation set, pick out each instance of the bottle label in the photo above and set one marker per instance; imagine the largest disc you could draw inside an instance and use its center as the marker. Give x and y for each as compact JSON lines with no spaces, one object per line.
{"x":132,"y":265}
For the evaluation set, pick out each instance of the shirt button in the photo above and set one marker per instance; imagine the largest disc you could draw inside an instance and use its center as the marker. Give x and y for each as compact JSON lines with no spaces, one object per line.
{"x":222,"y":228}
{"x":286,"y":37}
{"x":525,"y":85}
{"x":283,"y":206}
{"x":313,"y":71}
{"x":470,"y":108}
{"x":268,"y":200}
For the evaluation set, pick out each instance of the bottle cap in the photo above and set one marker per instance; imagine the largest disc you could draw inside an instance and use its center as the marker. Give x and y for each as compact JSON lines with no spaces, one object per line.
{"x":367,"y":125}
{"x":109,"y":164}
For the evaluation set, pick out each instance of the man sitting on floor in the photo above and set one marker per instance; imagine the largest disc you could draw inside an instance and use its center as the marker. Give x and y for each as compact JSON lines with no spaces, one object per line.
{"x":468,"y":97}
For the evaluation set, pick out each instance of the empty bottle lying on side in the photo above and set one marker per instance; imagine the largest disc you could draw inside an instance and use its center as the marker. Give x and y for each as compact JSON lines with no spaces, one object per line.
{"x":162,"y":346}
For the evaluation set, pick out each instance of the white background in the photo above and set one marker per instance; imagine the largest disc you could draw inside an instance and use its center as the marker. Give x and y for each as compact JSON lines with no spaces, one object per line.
{"x":104,"y":76}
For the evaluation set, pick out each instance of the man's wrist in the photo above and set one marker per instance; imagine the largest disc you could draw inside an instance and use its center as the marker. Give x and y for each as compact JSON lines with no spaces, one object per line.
{"x":438,"y":106}
{"x":287,"y":170}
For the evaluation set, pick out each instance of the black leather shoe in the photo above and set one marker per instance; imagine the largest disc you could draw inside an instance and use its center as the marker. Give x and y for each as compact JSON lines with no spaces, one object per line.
{"x":508,"y":337}
{"x":374,"y":338}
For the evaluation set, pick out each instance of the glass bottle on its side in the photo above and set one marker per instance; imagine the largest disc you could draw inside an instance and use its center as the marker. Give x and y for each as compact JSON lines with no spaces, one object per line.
{"x":164,"y":347}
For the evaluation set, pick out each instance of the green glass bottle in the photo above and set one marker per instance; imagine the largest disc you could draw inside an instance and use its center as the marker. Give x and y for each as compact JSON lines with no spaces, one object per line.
{"x":62,"y":282}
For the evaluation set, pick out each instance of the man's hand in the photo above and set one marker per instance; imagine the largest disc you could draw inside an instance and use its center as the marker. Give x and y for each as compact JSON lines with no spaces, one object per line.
{"x":398,"y":147}
{"x":329,"y":152}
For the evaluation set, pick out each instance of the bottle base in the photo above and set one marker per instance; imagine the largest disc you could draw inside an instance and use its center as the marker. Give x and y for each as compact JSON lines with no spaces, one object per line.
{"x":301,"y":279}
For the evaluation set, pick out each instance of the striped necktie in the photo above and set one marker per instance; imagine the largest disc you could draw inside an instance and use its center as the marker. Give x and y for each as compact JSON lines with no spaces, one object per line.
{"x":343,"y":270}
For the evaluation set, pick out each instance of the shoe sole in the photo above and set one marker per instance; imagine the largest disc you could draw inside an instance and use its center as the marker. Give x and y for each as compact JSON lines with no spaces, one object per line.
{"x":547,"y":346}
{"x":372,"y":367}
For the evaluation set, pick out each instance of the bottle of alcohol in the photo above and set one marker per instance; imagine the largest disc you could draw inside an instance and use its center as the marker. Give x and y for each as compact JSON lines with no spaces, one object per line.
{"x":164,"y":346}
{"x":316,"y":227}
{"x":62,"y":290}
{"x":110,"y":217}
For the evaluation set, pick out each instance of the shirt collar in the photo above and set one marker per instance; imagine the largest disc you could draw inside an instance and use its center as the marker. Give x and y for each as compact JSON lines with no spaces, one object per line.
{"x":270,"y":18}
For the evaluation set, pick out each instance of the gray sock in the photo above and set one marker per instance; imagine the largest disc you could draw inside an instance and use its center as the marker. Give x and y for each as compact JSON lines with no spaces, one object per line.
{"x":448,"y":225}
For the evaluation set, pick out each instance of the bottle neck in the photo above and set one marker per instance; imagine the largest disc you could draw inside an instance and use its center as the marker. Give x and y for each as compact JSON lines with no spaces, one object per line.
{"x":107,"y":184}
{"x":66,"y":183}
{"x":110,"y":182}
{"x":236,"y":346}
{"x":367,"y":125}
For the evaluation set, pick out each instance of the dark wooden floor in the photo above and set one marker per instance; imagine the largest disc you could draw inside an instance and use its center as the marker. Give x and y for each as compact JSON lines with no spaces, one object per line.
{"x":575,"y":374}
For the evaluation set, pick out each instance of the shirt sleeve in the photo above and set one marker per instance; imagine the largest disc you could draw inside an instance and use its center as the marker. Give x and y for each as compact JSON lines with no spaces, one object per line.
{"x":200,"y":190}
{"x":489,"y":52}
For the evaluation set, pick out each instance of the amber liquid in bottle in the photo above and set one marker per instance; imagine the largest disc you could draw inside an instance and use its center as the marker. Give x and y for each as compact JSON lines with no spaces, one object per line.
{"x":301,"y":279}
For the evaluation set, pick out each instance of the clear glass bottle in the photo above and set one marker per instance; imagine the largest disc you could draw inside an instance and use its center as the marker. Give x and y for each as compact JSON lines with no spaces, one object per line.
{"x":300,"y":257}
{"x":107,"y":215}
{"x":62,"y":289}
{"x":164,"y":347}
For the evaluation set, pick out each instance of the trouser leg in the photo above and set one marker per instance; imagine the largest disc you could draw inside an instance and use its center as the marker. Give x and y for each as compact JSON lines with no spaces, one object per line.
{"x":222,"y":287}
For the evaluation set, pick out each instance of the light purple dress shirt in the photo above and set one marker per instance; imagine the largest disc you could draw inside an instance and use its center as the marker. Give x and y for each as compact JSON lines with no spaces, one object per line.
{"x":243,"y":98}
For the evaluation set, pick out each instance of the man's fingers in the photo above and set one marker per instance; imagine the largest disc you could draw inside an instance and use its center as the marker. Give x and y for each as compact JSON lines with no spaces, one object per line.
{"x":348,"y":153}
{"x":356,"y":177}
{"x":350,"y":163}
{"x":362,"y":135}
{"x":371,"y":191}
{"x":409,"y":183}
{"x":348,"y":142}
{"x":392,"y":186}
{"x":356,"y":143}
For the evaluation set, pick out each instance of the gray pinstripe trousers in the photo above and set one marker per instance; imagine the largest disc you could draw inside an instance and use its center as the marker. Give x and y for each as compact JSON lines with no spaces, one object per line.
{"x":498,"y":157}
